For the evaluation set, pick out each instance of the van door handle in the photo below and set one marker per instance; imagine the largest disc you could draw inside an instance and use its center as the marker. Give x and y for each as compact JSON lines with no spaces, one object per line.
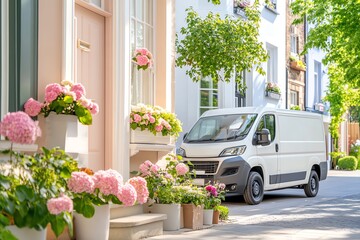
{"x":277,"y":147}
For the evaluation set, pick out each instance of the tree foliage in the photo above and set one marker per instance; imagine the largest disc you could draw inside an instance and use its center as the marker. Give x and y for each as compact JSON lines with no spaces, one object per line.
{"x":336,"y":31}
{"x":220,"y":48}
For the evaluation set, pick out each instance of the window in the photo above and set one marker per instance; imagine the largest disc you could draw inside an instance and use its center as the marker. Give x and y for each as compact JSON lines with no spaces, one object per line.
{"x":294,"y":98}
{"x":268,"y":122}
{"x":317,"y":82}
{"x":294,"y":39}
{"x":18,"y":53}
{"x":240,"y":94}
{"x":271,"y":72}
{"x":142,"y":36}
{"x":208,"y":95}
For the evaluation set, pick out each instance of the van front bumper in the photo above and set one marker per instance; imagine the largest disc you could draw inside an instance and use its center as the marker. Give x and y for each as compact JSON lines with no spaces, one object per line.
{"x":232,"y":171}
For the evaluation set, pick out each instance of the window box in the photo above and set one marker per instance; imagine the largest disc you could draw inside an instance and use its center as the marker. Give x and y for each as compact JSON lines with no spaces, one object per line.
{"x":295,"y":65}
{"x":272,"y":95}
{"x":319,"y":107}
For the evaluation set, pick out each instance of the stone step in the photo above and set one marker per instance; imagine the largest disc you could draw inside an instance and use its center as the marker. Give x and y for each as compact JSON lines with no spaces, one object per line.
{"x":136,"y":226}
{"x":118,"y":211}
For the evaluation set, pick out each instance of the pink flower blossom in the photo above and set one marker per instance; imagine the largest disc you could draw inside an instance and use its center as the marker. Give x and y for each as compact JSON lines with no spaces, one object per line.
{"x":108,"y":181}
{"x":94,"y":108}
{"x":84,"y":102}
{"x":142,"y":51}
{"x":140,"y":186}
{"x":33,"y":107}
{"x":154,"y":168}
{"x":222,"y":186}
{"x":145,"y":168}
{"x":59,"y":205}
{"x":181,"y":169}
{"x":142,"y":60}
{"x":212,"y":190}
{"x":127,"y":194}
{"x":81,"y":182}
{"x":52,"y":91}
{"x":50,"y":96}
{"x":151,"y":119}
{"x":18,"y":127}
{"x":78,"y":89}
{"x":159,"y":128}
{"x":137,"y":118}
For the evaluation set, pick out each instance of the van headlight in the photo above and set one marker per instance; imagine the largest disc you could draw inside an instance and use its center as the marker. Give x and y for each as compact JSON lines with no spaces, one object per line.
{"x":233,"y":151}
{"x":181,"y":152}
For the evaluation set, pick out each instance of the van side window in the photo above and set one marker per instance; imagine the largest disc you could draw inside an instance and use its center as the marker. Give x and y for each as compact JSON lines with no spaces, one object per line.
{"x":268,"y":122}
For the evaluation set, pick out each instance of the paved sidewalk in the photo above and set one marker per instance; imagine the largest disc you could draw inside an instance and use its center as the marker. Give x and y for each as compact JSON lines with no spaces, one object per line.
{"x":328,"y":218}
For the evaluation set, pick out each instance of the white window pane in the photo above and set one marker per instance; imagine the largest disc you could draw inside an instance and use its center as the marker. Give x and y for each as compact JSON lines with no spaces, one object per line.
{"x":132,"y":8}
{"x":148,"y":7}
{"x":132,"y":34}
{"x":139,"y":9}
{"x":139,"y":35}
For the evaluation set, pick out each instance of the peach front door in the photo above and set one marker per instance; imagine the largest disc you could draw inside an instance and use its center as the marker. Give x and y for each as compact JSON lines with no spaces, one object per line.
{"x":90,"y":71}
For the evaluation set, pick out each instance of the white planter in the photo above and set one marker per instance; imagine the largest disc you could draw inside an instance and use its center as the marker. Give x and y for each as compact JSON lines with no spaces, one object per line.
{"x":273,"y":95}
{"x":138,"y":136}
{"x":27,"y":233}
{"x":66,"y":132}
{"x":208,"y":216}
{"x":172,"y":211}
{"x":96,"y":227}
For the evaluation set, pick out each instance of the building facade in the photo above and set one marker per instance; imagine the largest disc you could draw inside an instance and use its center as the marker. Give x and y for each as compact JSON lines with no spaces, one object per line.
{"x":90,"y":42}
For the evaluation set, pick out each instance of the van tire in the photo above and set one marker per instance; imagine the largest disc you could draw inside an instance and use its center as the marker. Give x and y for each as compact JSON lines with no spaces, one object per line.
{"x":311,"y":189}
{"x":254,"y":191}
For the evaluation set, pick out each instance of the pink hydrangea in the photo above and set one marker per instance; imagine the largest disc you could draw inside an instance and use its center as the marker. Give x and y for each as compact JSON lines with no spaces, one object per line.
{"x":140,"y":186}
{"x":151,"y":119}
{"x":154,"y":168}
{"x":158,"y":128}
{"x":142,"y":60}
{"x":142,"y":51}
{"x":94,"y":108}
{"x":59,"y":205}
{"x":52,"y":91}
{"x":222,"y":186}
{"x":18,"y":127}
{"x":81,"y":182}
{"x":33,"y":107}
{"x":83,"y":101}
{"x":145,"y":168}
{"x":108,"y":181}
{"x":137,"y":118}
{"x":181,"y":169}
{"x":78,"y":89}
{"x":127,"y":194}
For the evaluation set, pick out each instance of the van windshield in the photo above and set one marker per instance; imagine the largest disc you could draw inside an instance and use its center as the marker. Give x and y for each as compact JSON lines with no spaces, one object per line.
{"x":221,"y":128}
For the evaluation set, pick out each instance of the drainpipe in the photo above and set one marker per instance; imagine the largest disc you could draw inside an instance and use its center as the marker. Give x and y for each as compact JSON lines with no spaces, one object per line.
{"x":305,"y":58}
{"x":286,"y":87}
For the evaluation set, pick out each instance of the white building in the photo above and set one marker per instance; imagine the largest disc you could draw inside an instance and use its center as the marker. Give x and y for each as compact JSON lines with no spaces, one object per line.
{"x":272,"y":34}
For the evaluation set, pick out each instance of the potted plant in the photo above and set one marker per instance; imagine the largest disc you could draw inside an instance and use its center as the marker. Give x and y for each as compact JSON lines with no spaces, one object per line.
{"x":67,"y":112}
{"x":162,"y":181}
{"x":214,"y":194}
{"x":92,"y":193}
{"x":272,"y":90}
{"x":142,"y":58}
{"x":33,"y":187}
{"x":148,"y":121}
{"x":297,"y":63}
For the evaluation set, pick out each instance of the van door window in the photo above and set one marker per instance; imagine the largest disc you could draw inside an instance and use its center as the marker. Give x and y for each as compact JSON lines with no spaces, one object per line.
{"x":268,"y":122}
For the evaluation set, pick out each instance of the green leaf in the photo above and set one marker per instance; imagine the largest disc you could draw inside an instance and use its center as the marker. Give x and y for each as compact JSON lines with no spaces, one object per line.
{"x":58,"y":224}
{"x":68,"y":99}
{"x":6,"y":234}
{"x":86,"y":118}
{"x":4,"y":221}
{"x":23,"y":192}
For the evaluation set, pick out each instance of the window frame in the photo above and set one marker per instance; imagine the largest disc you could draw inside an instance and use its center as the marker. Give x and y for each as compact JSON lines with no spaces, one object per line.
{"x":142,"y":91}
{"x":211,"y":89}
{"x":271,"y":64}
{"x":294,"y":95}
{"x":263,"y":120}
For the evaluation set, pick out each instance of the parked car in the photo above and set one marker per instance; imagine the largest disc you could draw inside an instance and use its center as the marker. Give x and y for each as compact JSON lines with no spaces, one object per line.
{"x":253,"y":150}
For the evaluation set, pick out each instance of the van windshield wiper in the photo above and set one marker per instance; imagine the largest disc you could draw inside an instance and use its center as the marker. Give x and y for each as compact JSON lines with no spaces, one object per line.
{"x":199,"y":140}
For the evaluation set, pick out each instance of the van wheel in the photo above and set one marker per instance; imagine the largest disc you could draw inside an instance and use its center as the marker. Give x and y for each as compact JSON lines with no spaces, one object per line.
{"x":311,"y":189}
{"x":254,"y":191}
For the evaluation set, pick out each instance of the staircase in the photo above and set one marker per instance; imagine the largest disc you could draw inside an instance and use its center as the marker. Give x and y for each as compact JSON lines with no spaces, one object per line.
{"x":130,"y":223}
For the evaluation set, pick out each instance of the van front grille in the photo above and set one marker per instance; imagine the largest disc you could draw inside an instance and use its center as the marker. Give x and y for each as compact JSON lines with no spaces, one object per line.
{"x":207,"y":166}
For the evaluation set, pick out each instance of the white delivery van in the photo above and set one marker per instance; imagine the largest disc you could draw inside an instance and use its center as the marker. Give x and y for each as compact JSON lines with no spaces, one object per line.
{"x":253,"y":150}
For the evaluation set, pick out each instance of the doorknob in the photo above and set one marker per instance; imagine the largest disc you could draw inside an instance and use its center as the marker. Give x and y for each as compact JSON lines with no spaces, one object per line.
{"x":277,"y":147}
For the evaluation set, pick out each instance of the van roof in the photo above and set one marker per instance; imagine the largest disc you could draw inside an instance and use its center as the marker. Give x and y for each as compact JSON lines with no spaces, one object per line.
{"x":257,"y":110}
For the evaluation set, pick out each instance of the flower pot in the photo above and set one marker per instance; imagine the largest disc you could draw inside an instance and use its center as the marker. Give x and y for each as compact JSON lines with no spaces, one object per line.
{"x":26,"y":233}
{"x":193,"y":216}
{"x":66,"y":132}
{"x":216,"y":216}
{"x":172,"y":211}
{"x":272,"y":95}
{"x":138,"y":136}
{"x":208,"y":216}
{"x":96,"y":227}
{"x":295,"y":65}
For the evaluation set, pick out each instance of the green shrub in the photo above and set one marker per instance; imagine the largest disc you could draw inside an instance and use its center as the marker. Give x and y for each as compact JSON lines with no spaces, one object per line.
{"x":224,"y":212}
{"x":335,"y":156}
{"x":348,"y":163}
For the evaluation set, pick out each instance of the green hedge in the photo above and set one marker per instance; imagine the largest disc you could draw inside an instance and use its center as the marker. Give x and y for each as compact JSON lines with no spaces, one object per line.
{"x":224,"y":212}
{"x":348,"y":163}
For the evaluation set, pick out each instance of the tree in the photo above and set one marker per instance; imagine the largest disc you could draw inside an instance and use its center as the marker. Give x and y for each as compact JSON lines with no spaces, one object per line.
{"x":221,"y":48}
{"x":336,"y":31}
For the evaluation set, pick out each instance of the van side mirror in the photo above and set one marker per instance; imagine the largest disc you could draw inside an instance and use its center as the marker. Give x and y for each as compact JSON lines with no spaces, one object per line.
{"x":262,"y":137}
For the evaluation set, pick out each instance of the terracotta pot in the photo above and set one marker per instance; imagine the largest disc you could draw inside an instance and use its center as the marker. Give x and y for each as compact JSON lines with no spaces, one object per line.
{"x":216,"y":217}
{"x":193,"y":216}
